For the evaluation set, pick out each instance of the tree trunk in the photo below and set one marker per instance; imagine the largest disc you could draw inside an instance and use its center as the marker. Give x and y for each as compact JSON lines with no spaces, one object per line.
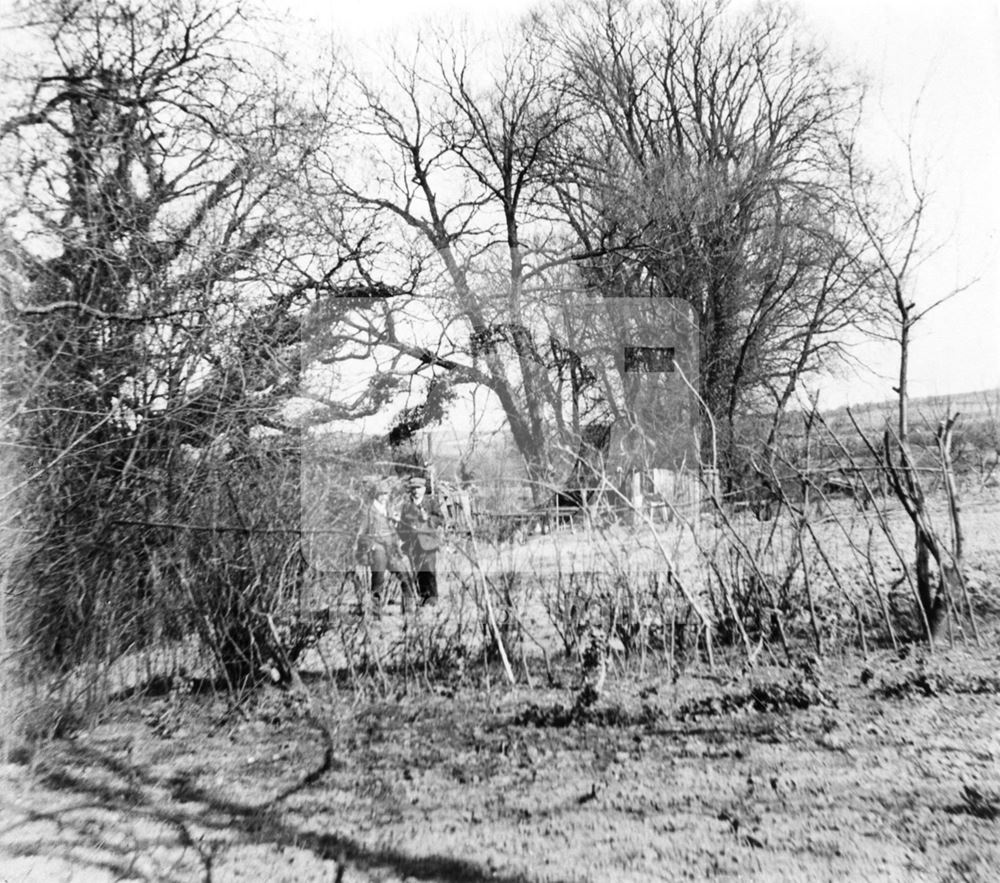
{"x":932,"y":598}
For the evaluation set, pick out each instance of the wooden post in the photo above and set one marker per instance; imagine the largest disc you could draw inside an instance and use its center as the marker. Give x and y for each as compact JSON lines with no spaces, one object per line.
{"x":711,"y":480}
{"x":636,"y":497}
{"x":429,"y":461}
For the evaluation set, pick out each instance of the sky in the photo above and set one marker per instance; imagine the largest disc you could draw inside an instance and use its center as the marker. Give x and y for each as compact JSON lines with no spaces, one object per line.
{"x":933,"y":69}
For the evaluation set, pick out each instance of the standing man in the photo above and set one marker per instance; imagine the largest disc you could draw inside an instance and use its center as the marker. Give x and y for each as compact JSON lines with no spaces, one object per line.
{"x":379,"y":547}
{"x":419,"y":521}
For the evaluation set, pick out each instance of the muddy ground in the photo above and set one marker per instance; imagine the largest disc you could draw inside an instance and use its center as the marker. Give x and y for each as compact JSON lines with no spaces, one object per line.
{"x":877,"y":769}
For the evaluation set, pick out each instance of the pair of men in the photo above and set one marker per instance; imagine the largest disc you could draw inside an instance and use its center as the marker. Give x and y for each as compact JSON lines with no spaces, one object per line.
{"x":384,"y":540}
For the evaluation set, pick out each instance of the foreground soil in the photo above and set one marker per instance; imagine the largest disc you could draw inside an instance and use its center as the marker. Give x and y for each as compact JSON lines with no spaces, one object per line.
{"x":877,"y":769}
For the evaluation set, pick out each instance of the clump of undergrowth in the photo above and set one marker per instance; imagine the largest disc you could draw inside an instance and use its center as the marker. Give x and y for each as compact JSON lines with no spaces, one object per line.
{"x":762,"y":698}
{"x":924,"y":682}
{"x":579,"y":713}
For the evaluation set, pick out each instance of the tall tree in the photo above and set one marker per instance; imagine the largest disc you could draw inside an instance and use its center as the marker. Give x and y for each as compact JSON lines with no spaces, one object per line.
{"x":612,"y":149}
{"x":457,"y":153}
{"x":709,"y":171}
{"x":155,"y":168}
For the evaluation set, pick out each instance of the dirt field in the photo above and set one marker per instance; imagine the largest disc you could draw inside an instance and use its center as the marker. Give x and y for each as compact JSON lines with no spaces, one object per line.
{"x":894,"y":779}
{"x":852,"y":768}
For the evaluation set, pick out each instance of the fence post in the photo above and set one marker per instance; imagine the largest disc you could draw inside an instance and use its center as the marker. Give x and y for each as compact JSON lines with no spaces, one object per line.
{"x":636,"y":500}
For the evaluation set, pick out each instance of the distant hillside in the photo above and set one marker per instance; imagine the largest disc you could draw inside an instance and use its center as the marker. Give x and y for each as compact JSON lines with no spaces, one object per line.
{"x":492,"y":461}
{"x":925,"y":412}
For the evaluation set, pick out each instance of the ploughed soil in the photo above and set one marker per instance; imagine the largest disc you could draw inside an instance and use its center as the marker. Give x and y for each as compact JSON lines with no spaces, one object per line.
{"x":883,"y":768}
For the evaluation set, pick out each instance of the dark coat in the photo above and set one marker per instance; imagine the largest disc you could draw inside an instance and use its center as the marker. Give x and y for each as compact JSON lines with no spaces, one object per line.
{"x":418,"y":529}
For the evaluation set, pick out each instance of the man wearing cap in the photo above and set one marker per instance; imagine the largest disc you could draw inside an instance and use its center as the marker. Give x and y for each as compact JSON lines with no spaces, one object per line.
{"x":379,"y":546}
{"x":419,"y":521}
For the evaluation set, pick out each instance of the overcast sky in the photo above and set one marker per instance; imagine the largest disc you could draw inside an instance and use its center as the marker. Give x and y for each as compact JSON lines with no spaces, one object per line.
{"x":945,"y":55}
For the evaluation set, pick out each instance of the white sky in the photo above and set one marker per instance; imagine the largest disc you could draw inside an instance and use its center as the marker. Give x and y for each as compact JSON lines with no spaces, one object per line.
{"x":947,"y":55}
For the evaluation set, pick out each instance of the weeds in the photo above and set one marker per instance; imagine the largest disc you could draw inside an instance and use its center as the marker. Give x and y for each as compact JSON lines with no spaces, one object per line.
{"x":925,"y":683}
{"x":764,"y":698}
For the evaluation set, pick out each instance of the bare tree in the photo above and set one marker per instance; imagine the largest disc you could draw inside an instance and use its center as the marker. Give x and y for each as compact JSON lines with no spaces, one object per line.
{"x":458,"y":153}
{"x":616,"y":150}
{"x":156,"y":173}
{"x":706,"y":150}
{"x":897,"y":245}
